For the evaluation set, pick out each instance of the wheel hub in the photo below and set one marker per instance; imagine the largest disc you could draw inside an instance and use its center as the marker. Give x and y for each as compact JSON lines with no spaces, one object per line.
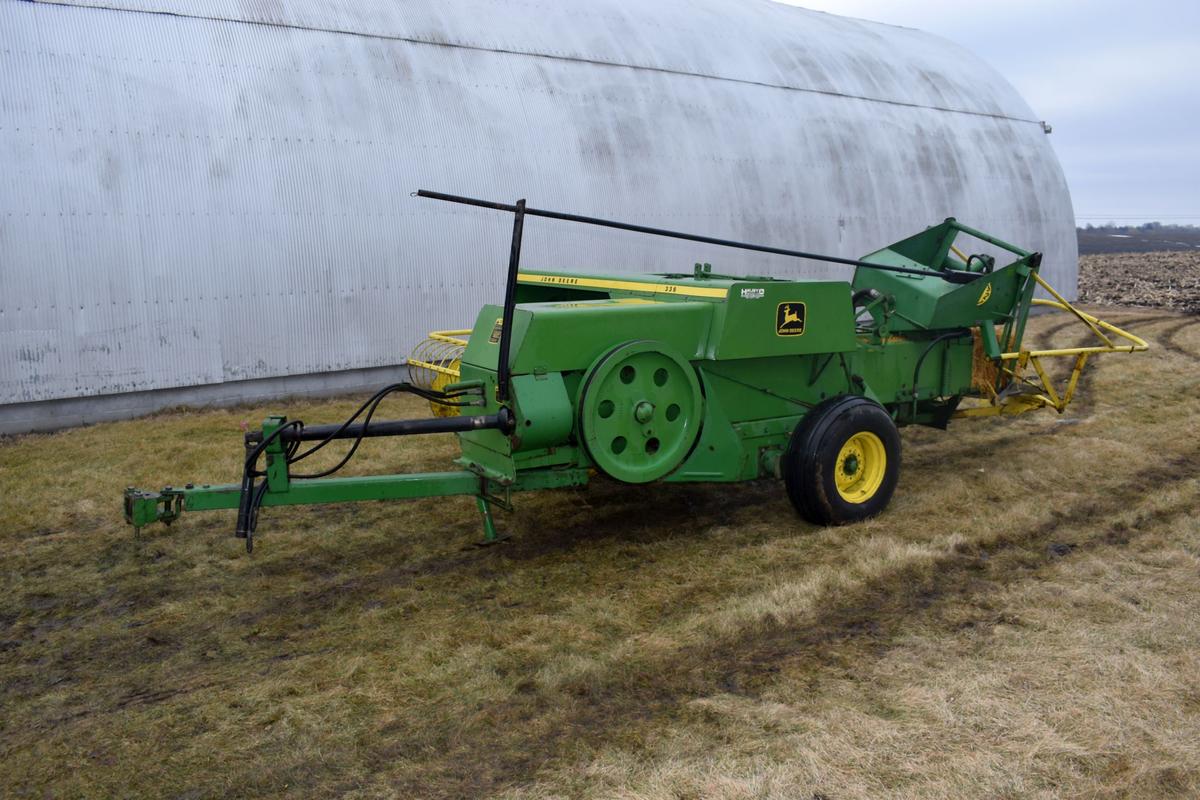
{"x":861,"y":465}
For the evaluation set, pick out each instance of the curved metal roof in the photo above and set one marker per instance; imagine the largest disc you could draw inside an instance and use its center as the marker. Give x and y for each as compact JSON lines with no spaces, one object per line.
{"x":788,"y":47}
{"x":206,"y":192}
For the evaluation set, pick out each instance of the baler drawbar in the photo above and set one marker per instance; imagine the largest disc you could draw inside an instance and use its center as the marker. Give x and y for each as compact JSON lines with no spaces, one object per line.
{"x":690,"y":376}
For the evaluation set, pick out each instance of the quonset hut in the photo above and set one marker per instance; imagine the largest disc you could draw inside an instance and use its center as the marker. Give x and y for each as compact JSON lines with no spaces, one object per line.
{"x":209,"y":200}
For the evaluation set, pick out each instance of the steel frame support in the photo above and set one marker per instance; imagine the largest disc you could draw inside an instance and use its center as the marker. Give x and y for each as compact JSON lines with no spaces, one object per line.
{"x":143,"y":508}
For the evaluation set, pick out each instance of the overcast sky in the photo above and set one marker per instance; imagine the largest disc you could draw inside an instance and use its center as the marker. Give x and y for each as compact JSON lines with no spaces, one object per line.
{"x":1119,"y":81}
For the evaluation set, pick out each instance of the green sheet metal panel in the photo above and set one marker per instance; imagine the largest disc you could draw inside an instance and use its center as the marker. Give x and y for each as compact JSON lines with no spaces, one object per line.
{"x":780,"y":318}
{"x":929,"y":303}
{"x":566,"y":335}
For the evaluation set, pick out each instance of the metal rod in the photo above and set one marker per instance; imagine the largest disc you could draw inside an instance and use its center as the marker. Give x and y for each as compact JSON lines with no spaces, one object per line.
{"x":396,"y":427}
{"x":978,"y":234}
{"x":503,"y":367}
{"x":691,"y":237}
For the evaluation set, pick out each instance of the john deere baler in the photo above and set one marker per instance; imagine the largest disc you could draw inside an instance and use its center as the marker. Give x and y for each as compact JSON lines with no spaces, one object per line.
{"x":690,"y":376}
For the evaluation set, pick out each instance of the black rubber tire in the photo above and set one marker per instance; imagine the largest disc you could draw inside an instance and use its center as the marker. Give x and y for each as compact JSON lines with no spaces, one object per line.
{"x":811,"y":459}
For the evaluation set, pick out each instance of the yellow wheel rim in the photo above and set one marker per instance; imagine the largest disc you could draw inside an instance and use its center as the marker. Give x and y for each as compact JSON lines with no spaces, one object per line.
{"x":860,"y":468}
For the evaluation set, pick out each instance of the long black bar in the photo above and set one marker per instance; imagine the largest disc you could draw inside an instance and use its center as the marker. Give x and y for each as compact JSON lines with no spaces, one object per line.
{"x":691,"y":237}
{"x":503,"y":367}
{"x":394,"y":427}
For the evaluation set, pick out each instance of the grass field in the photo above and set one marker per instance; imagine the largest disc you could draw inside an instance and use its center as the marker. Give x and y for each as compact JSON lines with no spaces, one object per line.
{"x":1024,"y":621}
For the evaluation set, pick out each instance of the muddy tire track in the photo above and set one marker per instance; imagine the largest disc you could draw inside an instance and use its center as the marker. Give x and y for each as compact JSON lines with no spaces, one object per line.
{"x":933,"y":453}
{"x":1167,"y":339}
{"x":1045,"y":339}
{"x":1084,"y":400}
{"x":850,"y":626}
{"x":606,"y":512}
{"x":1059,"y":369}
{"x":642,"y":514}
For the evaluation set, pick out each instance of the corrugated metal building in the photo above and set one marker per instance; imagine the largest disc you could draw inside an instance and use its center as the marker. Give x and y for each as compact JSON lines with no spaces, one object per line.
{"x":209,"y":200}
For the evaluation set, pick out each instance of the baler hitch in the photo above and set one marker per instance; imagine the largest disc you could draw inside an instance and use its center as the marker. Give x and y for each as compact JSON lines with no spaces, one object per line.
{"x":279,"y":440}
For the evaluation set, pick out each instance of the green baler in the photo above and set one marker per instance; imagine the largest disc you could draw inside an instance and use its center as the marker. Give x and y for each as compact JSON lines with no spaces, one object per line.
{"x":693,"y":376}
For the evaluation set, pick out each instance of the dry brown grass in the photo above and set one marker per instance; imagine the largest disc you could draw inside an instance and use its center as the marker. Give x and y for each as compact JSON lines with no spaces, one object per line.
{"x":1021,"y":623}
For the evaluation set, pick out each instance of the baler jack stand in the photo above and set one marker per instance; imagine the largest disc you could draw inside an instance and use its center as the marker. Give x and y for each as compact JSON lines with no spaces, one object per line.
{"x":490,"y":537}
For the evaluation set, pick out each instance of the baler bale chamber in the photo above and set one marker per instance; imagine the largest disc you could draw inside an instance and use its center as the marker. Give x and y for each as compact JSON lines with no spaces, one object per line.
{"x":692,"y":376}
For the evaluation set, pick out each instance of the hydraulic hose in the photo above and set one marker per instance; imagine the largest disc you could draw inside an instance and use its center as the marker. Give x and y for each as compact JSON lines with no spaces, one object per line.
{"x":294,"y":432}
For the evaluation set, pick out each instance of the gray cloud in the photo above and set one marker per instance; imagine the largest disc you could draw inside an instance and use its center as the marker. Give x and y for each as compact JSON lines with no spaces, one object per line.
{"x":1117,"y":80}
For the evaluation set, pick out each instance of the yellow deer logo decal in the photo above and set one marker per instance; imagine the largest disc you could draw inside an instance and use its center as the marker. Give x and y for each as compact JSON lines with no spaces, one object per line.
{"x":985,"y":295}
{"x":789,"y":319}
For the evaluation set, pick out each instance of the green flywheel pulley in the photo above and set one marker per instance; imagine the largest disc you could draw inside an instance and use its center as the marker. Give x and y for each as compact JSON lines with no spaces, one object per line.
{"x":640,"y":409}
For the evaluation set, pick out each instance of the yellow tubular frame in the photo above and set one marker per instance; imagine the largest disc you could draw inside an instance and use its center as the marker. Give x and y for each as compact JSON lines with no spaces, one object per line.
{"x":1047,"y":397}
{"x":451,"y":337}
{"x":452,"y":344}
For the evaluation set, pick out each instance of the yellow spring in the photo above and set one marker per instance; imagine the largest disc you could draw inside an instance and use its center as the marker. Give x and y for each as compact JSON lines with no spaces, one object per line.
{"x":434,"y":364}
